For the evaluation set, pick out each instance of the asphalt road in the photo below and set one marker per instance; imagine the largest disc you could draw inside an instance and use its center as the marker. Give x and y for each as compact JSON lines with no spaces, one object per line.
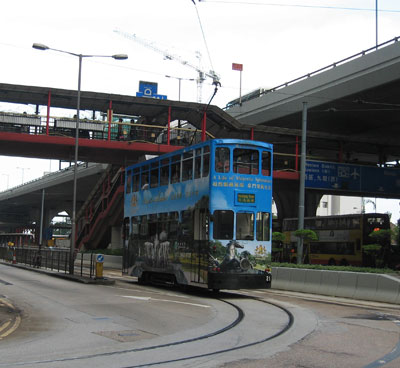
{"x":60,"y":323}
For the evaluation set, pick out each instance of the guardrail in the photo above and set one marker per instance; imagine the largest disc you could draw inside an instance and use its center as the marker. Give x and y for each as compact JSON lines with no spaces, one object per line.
{"x":50,"y":259}
{"x":100,"y":130}
{"x":53,"y":259}
{"x":260,"y":92}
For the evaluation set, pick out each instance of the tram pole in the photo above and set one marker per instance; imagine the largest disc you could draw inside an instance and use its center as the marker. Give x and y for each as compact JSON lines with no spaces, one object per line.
{"x":302,"y":183}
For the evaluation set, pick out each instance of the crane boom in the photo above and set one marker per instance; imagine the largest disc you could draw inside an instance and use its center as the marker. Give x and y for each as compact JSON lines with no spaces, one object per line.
{"x":201,"y":73}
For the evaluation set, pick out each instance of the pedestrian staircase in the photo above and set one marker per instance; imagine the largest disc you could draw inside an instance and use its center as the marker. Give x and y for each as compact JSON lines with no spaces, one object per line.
{"x":102,"y":210}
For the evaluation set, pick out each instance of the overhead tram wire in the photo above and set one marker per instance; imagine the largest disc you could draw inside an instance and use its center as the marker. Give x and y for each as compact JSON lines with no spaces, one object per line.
{"x":216,"y":82}
{"x":204,"y":36}
{"x":288,"y":5}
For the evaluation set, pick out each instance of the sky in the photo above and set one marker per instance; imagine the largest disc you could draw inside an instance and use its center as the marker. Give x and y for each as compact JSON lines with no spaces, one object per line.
{"x":276,"y":41}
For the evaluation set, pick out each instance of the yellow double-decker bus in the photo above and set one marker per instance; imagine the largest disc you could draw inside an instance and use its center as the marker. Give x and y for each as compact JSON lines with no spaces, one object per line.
{"x":340,"y":238}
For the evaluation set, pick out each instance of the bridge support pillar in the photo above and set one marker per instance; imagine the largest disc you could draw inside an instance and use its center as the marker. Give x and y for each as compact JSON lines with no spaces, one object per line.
{"x":48,"y":215}
{"x":286,"y":197}
{"x":116,"y":237}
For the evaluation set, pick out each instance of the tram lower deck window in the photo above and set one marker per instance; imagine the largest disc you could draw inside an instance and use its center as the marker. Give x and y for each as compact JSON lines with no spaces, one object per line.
{"x":244,"y":226}
{"x":223,"y":224}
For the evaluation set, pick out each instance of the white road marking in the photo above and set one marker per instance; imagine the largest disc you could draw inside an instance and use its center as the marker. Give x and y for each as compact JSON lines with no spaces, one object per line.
{"x":163,"y":300}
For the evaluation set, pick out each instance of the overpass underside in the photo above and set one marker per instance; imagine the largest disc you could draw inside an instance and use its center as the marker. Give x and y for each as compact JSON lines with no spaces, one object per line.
{"x":353,"y":109}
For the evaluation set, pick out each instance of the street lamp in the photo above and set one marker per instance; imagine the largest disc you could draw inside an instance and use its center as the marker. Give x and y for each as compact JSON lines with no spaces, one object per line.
{"x":23,"y":171}
{"x":40,"y":46}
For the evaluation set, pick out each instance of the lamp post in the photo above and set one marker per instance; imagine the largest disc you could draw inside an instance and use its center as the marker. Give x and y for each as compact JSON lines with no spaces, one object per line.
{"x":23,"y":171}
{"x":42,"y":47}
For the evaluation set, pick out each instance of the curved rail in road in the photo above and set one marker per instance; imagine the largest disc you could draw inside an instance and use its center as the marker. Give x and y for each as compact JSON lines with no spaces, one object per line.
{"x":210,"y":350}
{"x":199,"y":325}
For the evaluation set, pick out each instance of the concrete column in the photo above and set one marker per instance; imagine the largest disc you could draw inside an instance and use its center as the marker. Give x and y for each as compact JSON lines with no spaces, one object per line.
{"x":116,"y":237}
{"x":286,"y":198}
{"x":311,"y":203}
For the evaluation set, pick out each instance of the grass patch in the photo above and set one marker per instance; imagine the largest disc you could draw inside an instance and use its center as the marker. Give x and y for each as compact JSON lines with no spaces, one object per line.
{"x":335,"y":268}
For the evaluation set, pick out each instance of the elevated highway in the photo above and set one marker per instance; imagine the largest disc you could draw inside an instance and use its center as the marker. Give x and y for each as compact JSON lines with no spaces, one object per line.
{"x":353,"y":109}
{"x":21,"y":206}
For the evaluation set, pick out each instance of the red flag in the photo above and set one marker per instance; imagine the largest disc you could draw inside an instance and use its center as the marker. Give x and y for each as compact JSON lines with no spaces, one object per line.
{"x":237,"y":67}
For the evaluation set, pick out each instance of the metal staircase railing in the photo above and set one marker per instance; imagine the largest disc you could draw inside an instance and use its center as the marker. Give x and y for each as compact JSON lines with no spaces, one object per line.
{"x":95,"y":214}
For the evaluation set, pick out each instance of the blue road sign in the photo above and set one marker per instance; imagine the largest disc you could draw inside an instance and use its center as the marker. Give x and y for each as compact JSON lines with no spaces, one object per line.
{"x":148,"y":88}
{"x":348,"y":177}
{"x":160,"y":97}
{"x":100,"y":258}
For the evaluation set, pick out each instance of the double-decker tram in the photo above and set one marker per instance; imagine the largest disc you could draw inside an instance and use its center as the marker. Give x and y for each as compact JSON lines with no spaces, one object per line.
{"x":201,"y":216}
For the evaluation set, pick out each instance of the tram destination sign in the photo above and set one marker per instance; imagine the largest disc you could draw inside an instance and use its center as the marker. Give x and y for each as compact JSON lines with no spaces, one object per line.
{"x":353,"y":178}
{"x":246,"y":198}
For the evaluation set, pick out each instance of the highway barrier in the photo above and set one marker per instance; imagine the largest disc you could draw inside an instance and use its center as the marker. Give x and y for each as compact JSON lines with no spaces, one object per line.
{"x":354,"y":285}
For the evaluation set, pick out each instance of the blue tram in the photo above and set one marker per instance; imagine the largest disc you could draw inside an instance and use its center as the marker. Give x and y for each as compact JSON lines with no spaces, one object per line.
{"x":201,"y":216}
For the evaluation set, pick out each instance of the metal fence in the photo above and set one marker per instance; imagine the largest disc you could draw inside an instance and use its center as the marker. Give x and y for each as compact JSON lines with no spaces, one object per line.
{"x":50,"y":259}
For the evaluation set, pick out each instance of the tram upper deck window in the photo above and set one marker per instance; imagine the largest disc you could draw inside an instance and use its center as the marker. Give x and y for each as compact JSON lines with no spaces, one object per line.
{"x":197,"y":163}
{"x":206,"y":161}
{"x":154,"y":175}
{"x":164,"y":172}
{"x":187,"y":166}
{"x":129,"y":181}
{"x":144,"y":177}
{"x":176,"y":169}
{"x":223,"y":224}
{"x":266,"y":163}
{"x":245,"y":161}
{"x":222,"y":159}
{"x":136,"y":180}
{"x":244,"y":226}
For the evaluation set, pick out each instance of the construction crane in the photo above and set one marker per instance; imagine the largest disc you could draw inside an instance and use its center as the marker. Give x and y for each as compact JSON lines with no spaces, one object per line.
{"x":168,"y":56}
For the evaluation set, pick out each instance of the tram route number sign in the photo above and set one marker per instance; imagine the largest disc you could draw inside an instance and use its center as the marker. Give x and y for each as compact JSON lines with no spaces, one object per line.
{"x":246,"y":198}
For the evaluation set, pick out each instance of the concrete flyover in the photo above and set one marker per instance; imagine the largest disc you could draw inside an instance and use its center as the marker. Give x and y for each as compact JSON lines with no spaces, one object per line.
{"x":353,"y":108}
{"x":21,"y":206}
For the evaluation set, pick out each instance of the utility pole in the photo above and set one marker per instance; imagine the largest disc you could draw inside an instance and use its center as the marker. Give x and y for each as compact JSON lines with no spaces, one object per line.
{"x":300,"y":225}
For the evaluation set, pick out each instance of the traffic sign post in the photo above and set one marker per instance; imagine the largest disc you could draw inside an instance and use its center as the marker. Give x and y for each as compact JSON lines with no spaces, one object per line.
{"x":99,"y":266}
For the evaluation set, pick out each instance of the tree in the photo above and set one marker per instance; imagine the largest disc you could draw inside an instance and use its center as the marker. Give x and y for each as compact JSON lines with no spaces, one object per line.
{"x":307,"y":236}
{"x":379,"y":251}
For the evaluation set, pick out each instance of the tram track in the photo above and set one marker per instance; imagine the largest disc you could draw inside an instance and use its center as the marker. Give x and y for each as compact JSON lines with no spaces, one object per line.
{"x":261,"y":341}
{"x":240,"y":316}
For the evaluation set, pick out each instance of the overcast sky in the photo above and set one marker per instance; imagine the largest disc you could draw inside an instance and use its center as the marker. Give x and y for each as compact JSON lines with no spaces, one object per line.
{"x":276,"y":41}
